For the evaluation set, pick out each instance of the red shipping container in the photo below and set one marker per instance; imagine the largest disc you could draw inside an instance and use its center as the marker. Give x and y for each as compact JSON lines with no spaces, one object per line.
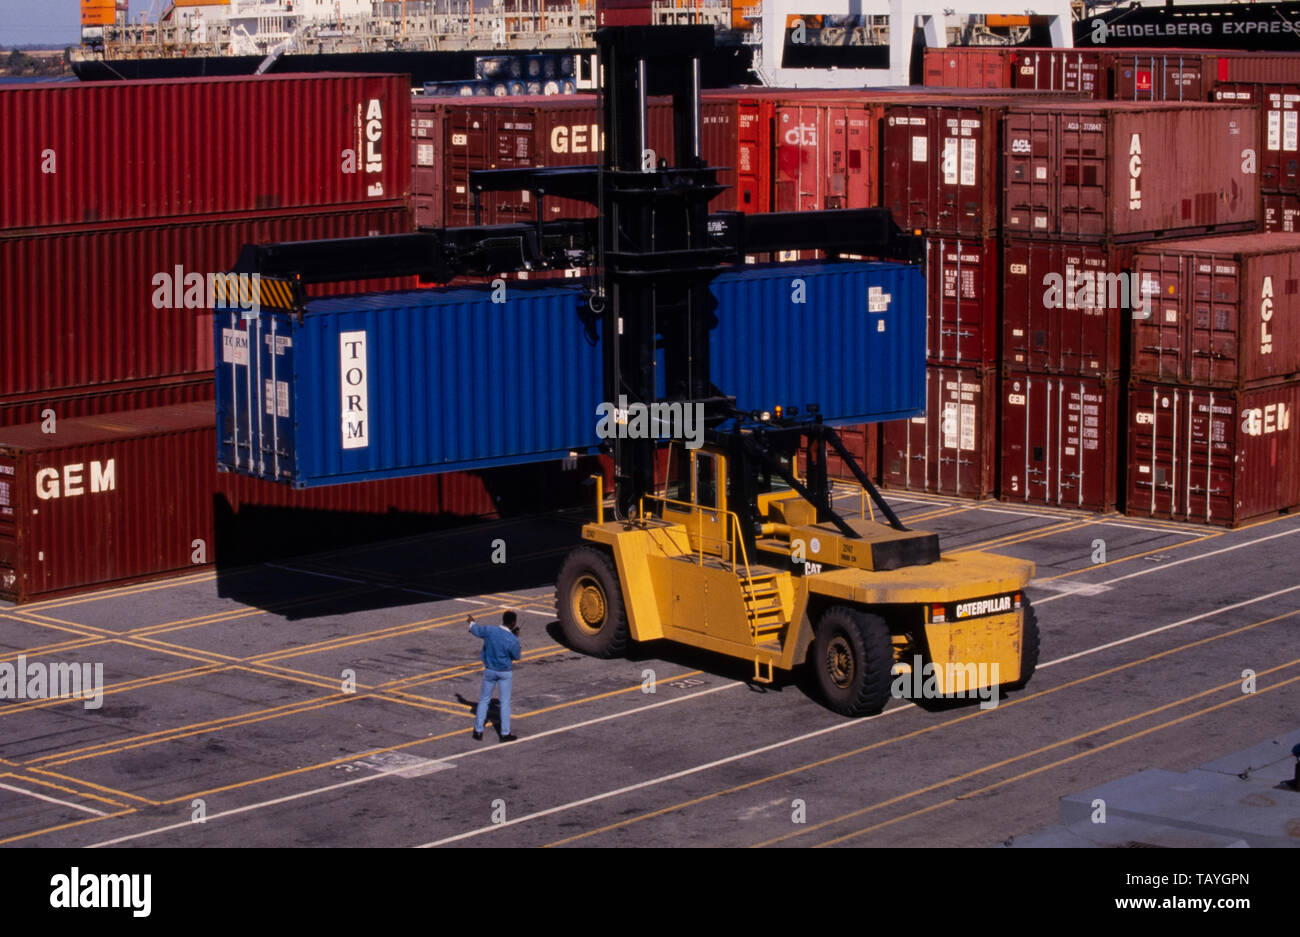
{"x":863,"y":442}
{"x":1163,"y":75}
{"x":128,"y":496}
{"x":970,"y":67}
{"x":941,"y":167}
{"x":1279,"y":146}
{"x":1281,"y":212}
{"x":108,"y":152}
{"x":1226,"y":310}
{"x":953,"y":448}
{"x":737,"y":138}
{"x":1065,"y":307}
{"x":826,"y":155}
{"x":1060,"y":440}
{"x":623,"y":13}
{"x":1216,"y":456}
{"x":1268,"y":67}
{"x":1085,"y":71}
{"x":526,"y":131}
{"x":97,"y":400}
{"x":1125,"y":171}
{"x":79,"y":307}
{"x":1278,"y":107}
{"x":962,"y":301}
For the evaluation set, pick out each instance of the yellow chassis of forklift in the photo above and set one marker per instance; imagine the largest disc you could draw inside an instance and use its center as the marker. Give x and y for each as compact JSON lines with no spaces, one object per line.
{"x":852,"y":607}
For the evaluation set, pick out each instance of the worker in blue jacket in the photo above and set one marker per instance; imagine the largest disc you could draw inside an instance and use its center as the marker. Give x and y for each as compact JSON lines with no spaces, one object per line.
{"x":500,"y":649}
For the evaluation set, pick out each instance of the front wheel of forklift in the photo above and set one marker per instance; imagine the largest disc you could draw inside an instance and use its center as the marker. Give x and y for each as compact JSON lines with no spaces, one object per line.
{"x":590,"y":604}
{"x":853,"y":656}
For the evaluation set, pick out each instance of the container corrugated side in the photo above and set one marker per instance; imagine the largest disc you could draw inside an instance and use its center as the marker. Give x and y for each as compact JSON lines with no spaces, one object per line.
{"x":1122,"y":171}
{"x":1065,"y":307}
{"x":80,"y":306}
{"x":1060,"y":440}
{"x":105,"y":499}
{"x":952,"y":448}
{"x":383,"y":386}
{"x":969,"y":67}
{"x":1213,"y":456}
{"x":847,"y":337}
{"x":98,"y":400}
{"x":1269,"y":67}
{"x":1226,"y":310}
{"x":109,"y":152}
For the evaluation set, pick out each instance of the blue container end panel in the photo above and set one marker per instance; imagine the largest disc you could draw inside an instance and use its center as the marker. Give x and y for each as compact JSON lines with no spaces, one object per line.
{"x":848,"y":337}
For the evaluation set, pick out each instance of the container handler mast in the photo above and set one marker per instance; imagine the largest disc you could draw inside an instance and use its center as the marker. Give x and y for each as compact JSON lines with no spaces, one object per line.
{"x":735,"y":552}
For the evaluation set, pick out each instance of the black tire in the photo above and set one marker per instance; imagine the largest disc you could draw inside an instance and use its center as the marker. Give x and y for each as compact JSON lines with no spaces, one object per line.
{"x":1029,"y":644}
{"x":852,"y":657}
{"x":589,"y":601}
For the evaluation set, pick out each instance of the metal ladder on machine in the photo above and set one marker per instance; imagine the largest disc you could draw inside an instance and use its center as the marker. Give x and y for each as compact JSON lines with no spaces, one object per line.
{"x":767,"y":616}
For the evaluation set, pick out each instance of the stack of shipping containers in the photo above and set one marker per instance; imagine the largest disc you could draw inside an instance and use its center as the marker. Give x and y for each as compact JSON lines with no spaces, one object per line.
{"x":940,"y":175}
{"x":121,"y":199}
{"x":1083,"y":184}
{"x":1216,"y":380}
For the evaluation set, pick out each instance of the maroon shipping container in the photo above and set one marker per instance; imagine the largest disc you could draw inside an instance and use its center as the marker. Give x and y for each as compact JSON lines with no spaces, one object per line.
{"x":1267,"y":67}
{"x":962,"y":301}
{"x":953,"y":448}
{"x":526,"y":131}
{"x":1279,"y":146}
{"x":113,"y":398}
{"x":1163,"y":75}
{"x":734,"y":138}
{"x":1125,"y":171}
{"x":1279,"y":109}
{"x":1281,"y":212}
{"x":1065,"y":307}
{"x":863,"y":442}
{"x":81,"y":307}
{"x":1221,"y":457}
{"x":129,"y":496}
{"x":969,"y":67}
{"x":112,"y":151}
{"x":826,"y":154}
{"x":941,"y":167}
{"x":624,"y":13}
{"x":1226,"y":310}
{"x":1085,"y":71}
{"x":1060,"y":440}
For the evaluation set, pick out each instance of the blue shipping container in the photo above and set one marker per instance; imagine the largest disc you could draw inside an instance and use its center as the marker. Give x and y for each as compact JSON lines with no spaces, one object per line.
{"x":849,"y":337}
{"x":394,"y":384}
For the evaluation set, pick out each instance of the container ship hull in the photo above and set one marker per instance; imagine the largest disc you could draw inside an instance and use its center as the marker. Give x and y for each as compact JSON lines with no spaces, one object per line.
{"x":728,"y":66}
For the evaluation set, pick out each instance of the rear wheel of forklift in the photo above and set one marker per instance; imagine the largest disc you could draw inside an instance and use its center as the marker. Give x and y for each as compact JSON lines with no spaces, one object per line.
{"x":590,"y":603}
{"x":853,"y":658}
{"x":1028,"y":646}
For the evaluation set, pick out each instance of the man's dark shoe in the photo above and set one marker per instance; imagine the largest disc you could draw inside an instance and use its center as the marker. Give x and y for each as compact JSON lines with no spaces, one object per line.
{"x":478,"y":736}
{"x":509,"y":738}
